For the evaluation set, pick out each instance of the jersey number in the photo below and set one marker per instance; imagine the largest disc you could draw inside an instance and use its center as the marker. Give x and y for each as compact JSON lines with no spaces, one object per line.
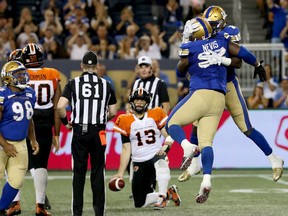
{"x":43,"y":89}
{"x":20,"y":112}
{"x":88,"y":90}
{"x":150,"y":134}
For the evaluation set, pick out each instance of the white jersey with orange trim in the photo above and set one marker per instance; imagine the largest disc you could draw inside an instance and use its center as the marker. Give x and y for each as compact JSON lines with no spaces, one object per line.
{"x":144,"y":134}
{"x":44,"y":81}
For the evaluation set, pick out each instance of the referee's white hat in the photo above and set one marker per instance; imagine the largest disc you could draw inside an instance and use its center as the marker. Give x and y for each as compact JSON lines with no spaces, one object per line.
{"x":90,"y":58}
{"x":144,"y":60}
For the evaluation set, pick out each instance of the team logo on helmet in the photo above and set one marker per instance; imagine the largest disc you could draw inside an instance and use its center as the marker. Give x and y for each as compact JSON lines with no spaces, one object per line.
{"x":141,"y":94}
{"x":32,"y":55}
{"x":14,"y":73}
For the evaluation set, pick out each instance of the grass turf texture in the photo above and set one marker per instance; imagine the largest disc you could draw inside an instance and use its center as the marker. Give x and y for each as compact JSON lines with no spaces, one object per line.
{"x":234,"y":193}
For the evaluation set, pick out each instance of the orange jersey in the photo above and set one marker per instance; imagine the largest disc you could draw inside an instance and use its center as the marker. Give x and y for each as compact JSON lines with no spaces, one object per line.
{"x":144,"y":134}
{"x":44,"y":81}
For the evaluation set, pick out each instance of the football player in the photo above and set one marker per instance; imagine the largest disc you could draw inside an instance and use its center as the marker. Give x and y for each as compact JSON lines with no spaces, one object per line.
{"x":15,"y":125}
{"x":206,"y":99}
{"x":45,"y":82}
{"x":140,"y":134}
{"x":234,"y":101}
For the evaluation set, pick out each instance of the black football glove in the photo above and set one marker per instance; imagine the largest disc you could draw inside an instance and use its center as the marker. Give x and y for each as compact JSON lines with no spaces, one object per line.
{"x":261,"y":72}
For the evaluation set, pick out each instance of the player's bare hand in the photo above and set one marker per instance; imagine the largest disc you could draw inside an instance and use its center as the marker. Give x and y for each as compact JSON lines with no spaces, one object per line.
{"x":117,"y":176}
{"x":10,"y":150}
{"x":161,"y":152}
{"x":69,"y":126}
{"x":35,"y":147}
{"x":55,"y":144}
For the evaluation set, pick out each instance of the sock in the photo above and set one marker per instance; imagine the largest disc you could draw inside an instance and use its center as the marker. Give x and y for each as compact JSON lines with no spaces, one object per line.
{"x":40,"y":184}
{"x":207,"y":159}
{"x":151,"y":198}
{"x":275,"y":161}
{"x":177,"y":133}
{"x":17,"y":197}
{"x":162,"y":176}
{"x":260,"y":141}
{"x":187,"y":148}
{"x":32,"y":172}
{"x":194,"y":139}
{"x":8,"y":194}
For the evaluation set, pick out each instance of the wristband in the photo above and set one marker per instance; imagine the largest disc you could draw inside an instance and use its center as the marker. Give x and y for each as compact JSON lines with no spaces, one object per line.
{"x":166,"y":148}
{"x":169,"y":139}
{"x":64,"y":120}
{"x":226,"y":61}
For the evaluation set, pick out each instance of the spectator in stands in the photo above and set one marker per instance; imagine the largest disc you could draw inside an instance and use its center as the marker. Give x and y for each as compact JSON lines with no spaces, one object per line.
{"x":101,"y":16}
{"x":157,"y":37}
{"x":173,"y":14}
{"x":54,"y":5}
{"x":69,"y":7}
{"x":56,"y":51}
{"x":126,"y":19}
{"x":270,"y":86}
{"x":102,"y":34}
{"x":279,"y":22}
{"x":49,"y":38}
{"x":6,"y":12}
{"x":158,"y":45}
{"x":78,"y":45}
{"x":257,"y":100}
{"x":158,"y":72}
{"x":174,"y":42}
{"x":282,"y":93}
{"x":197,"y":7}
{"x":4,"y":53}
{"x":131,"y":34}
{"x":103,"y":52}
{"x":102,"y":72}
{"x":79,"y":18}
{"x":128,"y":44}
{"x":7,"y":36}
{"x":25,"y":17}
{"x":126,"y":49}
{"x":24,"y":36}
{"x":50,"y":19}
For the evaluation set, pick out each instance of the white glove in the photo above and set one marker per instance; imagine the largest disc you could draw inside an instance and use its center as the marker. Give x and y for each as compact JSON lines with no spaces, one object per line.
{"x":214,"y":57}
{"x":191,"y":26}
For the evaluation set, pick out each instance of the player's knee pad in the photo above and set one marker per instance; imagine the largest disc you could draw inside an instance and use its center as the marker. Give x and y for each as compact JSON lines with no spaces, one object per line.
{"x":162,"y":170}
{"x":248,"y":132}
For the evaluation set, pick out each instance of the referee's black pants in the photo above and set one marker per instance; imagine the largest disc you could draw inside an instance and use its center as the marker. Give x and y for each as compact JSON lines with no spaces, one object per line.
{"x":84,"y":144}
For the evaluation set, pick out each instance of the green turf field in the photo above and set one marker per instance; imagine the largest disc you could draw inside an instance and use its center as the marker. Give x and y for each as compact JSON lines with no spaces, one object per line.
{"x":234,"y":193}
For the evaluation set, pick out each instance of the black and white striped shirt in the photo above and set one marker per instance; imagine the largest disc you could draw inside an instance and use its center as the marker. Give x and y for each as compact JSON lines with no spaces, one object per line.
{"x":89,"y":96}
{"x":154,"y":86}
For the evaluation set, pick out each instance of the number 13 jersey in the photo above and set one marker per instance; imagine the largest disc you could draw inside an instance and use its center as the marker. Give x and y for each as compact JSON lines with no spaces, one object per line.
{"x":144,"y":134}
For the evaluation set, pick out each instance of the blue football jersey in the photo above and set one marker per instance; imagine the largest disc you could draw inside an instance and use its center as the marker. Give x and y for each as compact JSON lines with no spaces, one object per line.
{"x":233,"y":34}
{"x":214,"y":76}
{"x":17,"y":112}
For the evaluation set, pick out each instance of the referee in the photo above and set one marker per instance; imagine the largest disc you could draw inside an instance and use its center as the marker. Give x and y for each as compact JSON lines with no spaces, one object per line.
{"x":93,"y":103}
{"x":155,"y":86}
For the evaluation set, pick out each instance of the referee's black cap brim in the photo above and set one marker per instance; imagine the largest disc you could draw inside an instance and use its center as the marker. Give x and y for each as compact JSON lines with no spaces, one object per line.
{"x":90,"y":58}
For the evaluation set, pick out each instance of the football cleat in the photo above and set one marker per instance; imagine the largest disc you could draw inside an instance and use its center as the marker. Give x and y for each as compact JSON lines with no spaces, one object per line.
{"x":277,"y":172}
{"x":203,"y":194}
{"x":161,"y":203}
{"x":193,"y":169}
{"x":40,"y":211}
{"x":186,"y":161}
{"x":47,"y":205}
{"x":14,"y":209}
{"x":172,"y":194}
